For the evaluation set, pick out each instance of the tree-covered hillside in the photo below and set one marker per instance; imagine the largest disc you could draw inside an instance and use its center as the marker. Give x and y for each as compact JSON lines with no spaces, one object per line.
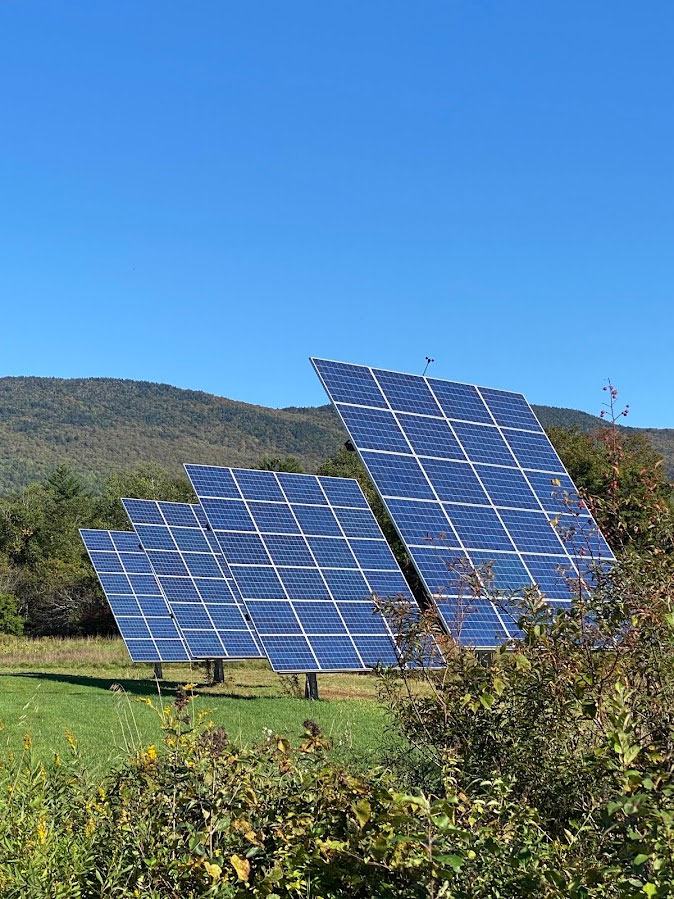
{"x":98,"y":425}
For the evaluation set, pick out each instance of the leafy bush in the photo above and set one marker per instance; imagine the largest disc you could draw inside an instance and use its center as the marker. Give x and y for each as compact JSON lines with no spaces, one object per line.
{"x":201,"y":816}
{"x":10,"y":620}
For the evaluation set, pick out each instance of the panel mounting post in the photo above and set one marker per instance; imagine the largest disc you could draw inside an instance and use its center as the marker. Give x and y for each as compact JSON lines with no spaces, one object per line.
{"x":157,"y":671}
{"x":311,"y":686}
{"x":218,"y":671}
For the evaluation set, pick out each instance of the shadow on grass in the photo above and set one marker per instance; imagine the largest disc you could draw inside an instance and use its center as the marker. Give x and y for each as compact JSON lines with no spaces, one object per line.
{"x":145,"y":687}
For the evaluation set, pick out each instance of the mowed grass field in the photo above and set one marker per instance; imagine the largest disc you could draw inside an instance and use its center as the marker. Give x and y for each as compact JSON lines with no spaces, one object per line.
{"x":90,"y":688}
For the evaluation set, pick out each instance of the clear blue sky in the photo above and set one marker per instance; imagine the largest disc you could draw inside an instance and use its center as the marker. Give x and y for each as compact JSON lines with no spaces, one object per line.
{"x":206,"y":193}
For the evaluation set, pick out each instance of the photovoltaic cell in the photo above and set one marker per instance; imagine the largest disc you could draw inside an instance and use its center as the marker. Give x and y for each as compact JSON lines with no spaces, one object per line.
{"x":194,"y":578}
{"x":145,"y":622}
{"x":476,"y":481}
{"x":307,"y":555}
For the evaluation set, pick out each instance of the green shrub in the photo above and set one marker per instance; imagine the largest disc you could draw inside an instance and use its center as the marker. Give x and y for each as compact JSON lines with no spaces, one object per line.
{"x":10,"y":620}
{"x":200,"y":816}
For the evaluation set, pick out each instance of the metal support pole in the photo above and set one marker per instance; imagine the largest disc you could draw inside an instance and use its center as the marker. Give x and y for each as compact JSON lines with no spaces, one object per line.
{"x":218,"y":671}
{"x":157,"y":671}
{"x":311,"y":686}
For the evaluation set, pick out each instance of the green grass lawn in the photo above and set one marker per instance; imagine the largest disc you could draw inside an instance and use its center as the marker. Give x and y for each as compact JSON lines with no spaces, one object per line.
{"x":49,"y":686}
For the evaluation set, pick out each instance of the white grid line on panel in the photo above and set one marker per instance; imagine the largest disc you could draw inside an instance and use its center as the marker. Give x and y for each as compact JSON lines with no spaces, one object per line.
{"x":433,"y":490}
{"x":273,"y":566}
{"x":187,"y":630}
{"x":565,"y":472}
{"x":443,"y":416}
{"x":133,"y":592}
{"x":523,"y":473}
{"x":562,"y":472}
{"x":217,"y":555}
{"x":384,"y":497}
{"x":466,"y":461}
{"x":474,"y":465}
{"x":245,"y":628}
{"x":487,"y":494}
{"x":359,"y":566}
{"x":408,"y":374}
{"x":333,"y":603}
{"x":189,"y":575}
{"x":136,"y":595}
{"x":316,"y":567}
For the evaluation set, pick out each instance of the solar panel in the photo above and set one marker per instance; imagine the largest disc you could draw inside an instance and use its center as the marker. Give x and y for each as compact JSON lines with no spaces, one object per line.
{"x":144,"y":620}
{"x":307,"y":554}
{"x":194,"y":580}
{"x":469,"y":478}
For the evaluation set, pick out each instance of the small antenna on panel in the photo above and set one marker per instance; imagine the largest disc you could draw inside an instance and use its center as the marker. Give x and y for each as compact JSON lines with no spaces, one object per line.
{"x":428,"y":362}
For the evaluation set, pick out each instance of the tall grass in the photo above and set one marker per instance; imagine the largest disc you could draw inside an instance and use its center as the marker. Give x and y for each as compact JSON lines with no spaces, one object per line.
{"x":71,"y":652}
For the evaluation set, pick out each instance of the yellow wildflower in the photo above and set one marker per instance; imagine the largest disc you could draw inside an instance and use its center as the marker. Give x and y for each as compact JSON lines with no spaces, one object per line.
{"x":27,"y":742}
{"x":151,"y":753}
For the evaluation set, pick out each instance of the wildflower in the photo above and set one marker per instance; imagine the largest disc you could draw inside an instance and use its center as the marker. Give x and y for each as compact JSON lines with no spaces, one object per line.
{"x":27,"y":742}
{"x":41,"y":831}
{"x":72,"y":742}
{"x":151,"y":753}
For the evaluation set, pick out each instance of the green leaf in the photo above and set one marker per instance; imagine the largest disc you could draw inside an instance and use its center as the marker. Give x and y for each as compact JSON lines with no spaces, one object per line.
{"x":454,"y":861}
{"x":362,"y":811}
{"x":499,"y":685}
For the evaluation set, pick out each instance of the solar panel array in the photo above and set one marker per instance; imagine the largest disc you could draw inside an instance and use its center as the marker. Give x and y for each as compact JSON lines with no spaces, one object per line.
{"x":307,"y":554}
{"x":470,"y":479}
{"x":193,"y":578}
{"x":286,"y":565}
{"x":142,"y":615}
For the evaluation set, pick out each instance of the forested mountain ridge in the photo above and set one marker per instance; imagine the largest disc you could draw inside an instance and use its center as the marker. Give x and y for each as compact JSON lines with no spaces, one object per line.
{"x":98,"y":425}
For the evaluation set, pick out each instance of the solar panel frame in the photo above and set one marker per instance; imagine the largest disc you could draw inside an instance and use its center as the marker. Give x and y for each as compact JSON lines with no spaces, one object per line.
{"x":197,"y":585}
{"x":156,"y":647}
{"x":285,"y":609}
{"x":465,"y":409}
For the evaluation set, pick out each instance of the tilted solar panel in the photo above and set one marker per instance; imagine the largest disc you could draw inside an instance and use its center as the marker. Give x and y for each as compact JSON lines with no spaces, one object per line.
{"x":307,"y":554}
{"x":142,"y":615}
{"x":193,"y":579}
{"x":470,"y":479}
